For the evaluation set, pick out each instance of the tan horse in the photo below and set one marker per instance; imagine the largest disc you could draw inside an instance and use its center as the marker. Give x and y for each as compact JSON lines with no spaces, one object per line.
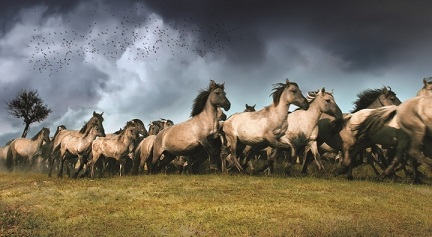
{"x":144,"y":149}
{"x":415,"y":120}
{"x":265,"y":127}
{"x":115,"y":147}
{"x":427,"y":88}
{"x":3,"y":155}
{"x":195,"y":134}
{"x":95,"y":121}
{"x":78,"y":145}
{"x":26,"y":150}
{"x":341,"y":134}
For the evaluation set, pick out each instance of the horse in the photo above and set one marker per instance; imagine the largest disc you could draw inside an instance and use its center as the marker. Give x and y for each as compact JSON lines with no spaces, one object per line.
{"x":78,"y":144}
{"x":385,"y":126}
{"x":303,"y":124}
{"x":95,"y":121}
{"x":265,"y":127}
{"x":142,"y":131}
{"x":250,"y":108}
{"x":26,"y":149}
{"x":427,"y":87}
{"x":414,"y":118}
{"x":339,"y":133}
{"x":194,"y":134}
{"x":303,"y":129}
{"x":115,"y":146}
{"x":3,"y":155}
{"x":156,"y":126}
{"x":46,"y":150}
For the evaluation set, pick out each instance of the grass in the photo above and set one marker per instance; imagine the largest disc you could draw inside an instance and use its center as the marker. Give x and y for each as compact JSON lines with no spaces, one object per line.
{"x":31,"y":204}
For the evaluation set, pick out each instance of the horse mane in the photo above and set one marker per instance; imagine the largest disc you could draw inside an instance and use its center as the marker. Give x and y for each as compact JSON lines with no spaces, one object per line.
{"x":58,"y":129}
{"x":95,"y":117}
{"x":366,"y":97}
{"x":84,"y":128}
{"x":201,"y":99}
{"x":123,"y":130}
{"x":375,"y":121}
{"x":278,"y":88}
{"x":35,"y":137}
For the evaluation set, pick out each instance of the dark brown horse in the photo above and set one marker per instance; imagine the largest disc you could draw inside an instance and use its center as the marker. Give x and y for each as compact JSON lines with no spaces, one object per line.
{"x":195,"y":134}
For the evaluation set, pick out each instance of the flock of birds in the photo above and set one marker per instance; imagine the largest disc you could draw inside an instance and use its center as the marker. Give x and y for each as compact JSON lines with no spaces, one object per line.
{"x":140,"y":35}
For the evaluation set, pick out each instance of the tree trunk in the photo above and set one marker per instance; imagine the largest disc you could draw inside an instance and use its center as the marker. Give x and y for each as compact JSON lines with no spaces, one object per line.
{"x":26,"y":130}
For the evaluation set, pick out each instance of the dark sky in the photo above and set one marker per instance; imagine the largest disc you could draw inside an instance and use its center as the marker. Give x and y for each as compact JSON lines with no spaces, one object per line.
{"x":149,"y":59}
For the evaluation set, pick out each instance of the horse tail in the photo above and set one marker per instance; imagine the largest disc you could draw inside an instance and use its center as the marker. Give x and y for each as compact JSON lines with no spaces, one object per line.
{"x":9,"y":158}
{"x":375,"y":122}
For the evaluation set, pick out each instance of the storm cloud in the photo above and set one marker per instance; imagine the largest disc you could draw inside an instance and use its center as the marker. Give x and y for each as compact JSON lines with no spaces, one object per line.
{"x":149,"y":59}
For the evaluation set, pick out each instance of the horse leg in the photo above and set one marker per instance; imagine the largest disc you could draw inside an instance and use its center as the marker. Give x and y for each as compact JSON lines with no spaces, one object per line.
{"x":232,"y":144}
{"x":62,"y":158}
{"x":80,"y":167}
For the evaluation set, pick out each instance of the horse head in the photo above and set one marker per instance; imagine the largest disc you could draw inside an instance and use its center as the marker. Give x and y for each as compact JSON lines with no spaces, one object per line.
{"x":388,"y":97}
{"x":140,"y":127}
{"x":326,"y":103}
{"x":97,"y":131}
{"x":217,"y":95}
{"x":45,"y":133}
{"x":427,"y":87}
{"x":250,"y":108}
{"x":289,"y":93}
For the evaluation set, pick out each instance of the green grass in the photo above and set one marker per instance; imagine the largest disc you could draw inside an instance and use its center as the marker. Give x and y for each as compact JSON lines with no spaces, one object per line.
{"x":211,"y":205}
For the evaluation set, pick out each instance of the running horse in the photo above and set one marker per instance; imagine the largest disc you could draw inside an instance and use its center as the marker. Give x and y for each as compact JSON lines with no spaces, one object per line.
{"x":82,"y":137}
{"x":340,"y":134}
{"x":26,"y":149}
{"x":262,"y":128}
{"x":194,"y":134}
{"x":115,"y":146}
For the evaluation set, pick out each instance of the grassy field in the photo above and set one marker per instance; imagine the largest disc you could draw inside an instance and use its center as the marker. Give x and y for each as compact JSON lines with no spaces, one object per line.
{"x":31,"y":204}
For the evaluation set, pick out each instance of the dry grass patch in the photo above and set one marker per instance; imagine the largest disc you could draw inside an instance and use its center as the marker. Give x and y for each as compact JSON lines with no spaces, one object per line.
{"x":211,"y":205}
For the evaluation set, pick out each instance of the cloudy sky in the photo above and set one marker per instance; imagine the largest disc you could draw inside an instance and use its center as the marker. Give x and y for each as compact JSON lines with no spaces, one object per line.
{"x":148,"y":59}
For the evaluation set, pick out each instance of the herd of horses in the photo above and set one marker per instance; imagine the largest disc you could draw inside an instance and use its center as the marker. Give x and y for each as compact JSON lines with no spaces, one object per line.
{"x":381,"y":129}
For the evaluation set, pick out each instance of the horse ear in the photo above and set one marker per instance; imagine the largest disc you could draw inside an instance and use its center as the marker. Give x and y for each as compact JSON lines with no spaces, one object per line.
{"x":323,"y":90}
{"x":425,"y":83}
{"x":287,"y":81}
{"x":385,"y":90}
{"x":212,"y":84}
{"x":253,"y":106}
{"x":101,"y":114}
{"x":94,"y":113}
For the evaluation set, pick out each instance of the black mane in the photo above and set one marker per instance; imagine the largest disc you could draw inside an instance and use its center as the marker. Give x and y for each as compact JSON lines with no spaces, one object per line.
{"x":37,"y":134}
{"x":278,"y":89}
{"x":366,"y":97}
{"x":201,"y":99}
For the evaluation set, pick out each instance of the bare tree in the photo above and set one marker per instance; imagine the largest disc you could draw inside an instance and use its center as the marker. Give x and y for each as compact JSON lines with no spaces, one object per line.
{"x":28,"y":106}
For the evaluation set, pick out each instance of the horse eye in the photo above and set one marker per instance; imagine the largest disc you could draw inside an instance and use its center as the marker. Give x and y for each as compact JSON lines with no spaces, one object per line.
{"x":217,"y":92}
{"x":328,"y":101}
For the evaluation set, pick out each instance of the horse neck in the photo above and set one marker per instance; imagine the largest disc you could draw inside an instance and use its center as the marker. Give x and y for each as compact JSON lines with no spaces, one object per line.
{"x":209,"y":114}
{"x":375,"y":104}
{"x":39,"y":140}
{"x":314,"y":112}
{"x":279,"y":112}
